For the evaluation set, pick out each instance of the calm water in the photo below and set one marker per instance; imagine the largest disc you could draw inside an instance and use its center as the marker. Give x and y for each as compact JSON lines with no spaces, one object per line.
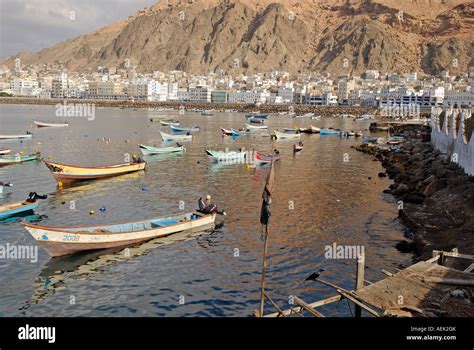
{"x":319,"y":199}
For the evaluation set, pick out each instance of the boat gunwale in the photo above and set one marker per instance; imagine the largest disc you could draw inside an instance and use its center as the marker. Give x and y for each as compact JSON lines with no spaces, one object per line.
{"x":57,"y":228}
{"x":108,"y":166}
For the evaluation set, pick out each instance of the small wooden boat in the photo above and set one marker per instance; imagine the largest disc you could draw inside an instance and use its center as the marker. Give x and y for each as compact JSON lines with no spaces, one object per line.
{"x":329,"y":132}
{"x":283,"y":135}
{"x":233,"y":132}
{"x":8,"y":210}
{"x":176,"y":137}
{"x":208,"y":112}
{"x":255,"y":127}
{"x":64,"y":240}
{"x":232,"y":156}
{"x":19,"y":158}
{"x":369,"y":139}
{"x":257,"y":115}
{"x":50,"y":125}
{"x":291,"y":130}
{"x":149,"y":150}
{"x":261,"y":158}
{"x":255,"y":120}
{"x":178,"y":129}
{"x":71,"y":173}
{"x":4,"y":151}
{"x":169,"y":122}
{"x":18,"y":136}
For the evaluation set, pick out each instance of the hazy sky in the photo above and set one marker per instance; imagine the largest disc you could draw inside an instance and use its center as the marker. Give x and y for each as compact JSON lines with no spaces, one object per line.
{"x":30,"y":25}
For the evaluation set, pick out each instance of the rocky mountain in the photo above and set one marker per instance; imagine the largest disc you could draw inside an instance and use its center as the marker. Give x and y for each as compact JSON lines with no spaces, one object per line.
{"x":236,"y":36}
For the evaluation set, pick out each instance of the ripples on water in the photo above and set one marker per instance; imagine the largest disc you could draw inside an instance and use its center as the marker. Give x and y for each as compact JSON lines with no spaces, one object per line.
{"x":332,"y":201}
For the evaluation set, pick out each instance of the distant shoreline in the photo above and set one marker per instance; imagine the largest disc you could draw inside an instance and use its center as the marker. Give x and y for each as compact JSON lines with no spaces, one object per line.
{"x":324,"y":111}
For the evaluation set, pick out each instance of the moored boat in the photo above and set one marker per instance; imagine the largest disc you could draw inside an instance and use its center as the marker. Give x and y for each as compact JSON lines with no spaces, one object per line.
{"x":65,"y":240}
{"x":283,"y":135}
{"x":66,"y":174}
{"x":50,"y":125}
{"x":4,"y":151}
{"x":255,"y":127}
{"x":207,"y":113}
{"x":223,"y":156}
{"x":16,"y":136}
{"x":175,"y":137}
{"x":169,"y":122}
{"x":18,"y":158}
{"x":329,"y":132}
{"x":11,"y":209}
{"x":257,"y":115}
{"x":233,"y":132}
{"x":178,"y":129}
{"x":261,"y":158}
{"x":369,"y":139}
{"x":255,"y":120}
{"x":149,"y":150}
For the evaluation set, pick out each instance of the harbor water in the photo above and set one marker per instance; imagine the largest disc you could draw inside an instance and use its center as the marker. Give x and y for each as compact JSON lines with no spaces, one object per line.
{"x":328,"y":194}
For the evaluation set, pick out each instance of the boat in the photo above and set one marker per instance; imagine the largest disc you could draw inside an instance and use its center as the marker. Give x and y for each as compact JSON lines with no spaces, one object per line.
{"x":283,"y":135}
{"x":291,"y":130}
{"x":261,"y":158}
{"x":369,"y":139}
{"x":169,"y":122}
{"x":208,"y":112}
{"x":18,"y":136}
{"x":257,"y":115}
{"x":365,"y":117}
{"x":66,"y":174}
{"x":232,"y":156}
{"x":19,"y":158}
{"x":176,"y":137}
{"x":178,"y":129}
{"x":310,"y":130}
{"x":65,"y":240}
{"x":394,"y":140}
{"x":316,"y":117}
{"x":50,"y":125}
{"x":233,"y":132}
{"x":4,"y":151}
{"x":149,"y":150}
{"x":11,"y":209}
{"x":329,"y":132}
{"x":3,"y":185}
{"x":256,"y":120}
{"x":255,"y":127}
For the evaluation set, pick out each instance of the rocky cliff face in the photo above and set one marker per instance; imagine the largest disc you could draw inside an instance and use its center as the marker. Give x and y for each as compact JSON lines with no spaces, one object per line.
{"x":247,"y":36}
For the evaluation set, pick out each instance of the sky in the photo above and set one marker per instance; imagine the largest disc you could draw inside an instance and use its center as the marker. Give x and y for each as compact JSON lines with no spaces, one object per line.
{"x":31,"y":25}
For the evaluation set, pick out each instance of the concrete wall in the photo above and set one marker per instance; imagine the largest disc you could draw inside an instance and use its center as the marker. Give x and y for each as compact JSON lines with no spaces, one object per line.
{"x":452,"y":140}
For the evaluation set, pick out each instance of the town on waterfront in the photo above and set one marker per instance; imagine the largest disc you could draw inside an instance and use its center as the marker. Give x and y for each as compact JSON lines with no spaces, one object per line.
{"x":238,"y":158}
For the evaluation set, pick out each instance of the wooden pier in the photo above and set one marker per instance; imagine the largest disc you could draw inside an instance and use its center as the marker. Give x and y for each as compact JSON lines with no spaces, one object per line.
{"x":426,"y":289}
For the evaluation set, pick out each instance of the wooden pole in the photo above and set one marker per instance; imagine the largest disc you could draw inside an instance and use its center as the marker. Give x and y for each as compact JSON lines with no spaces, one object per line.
{"x":360,"y":281}
{"x":264,"y":270}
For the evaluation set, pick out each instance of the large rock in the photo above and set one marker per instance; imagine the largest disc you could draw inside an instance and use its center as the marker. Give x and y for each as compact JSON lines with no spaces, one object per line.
{"x":434,"y":186}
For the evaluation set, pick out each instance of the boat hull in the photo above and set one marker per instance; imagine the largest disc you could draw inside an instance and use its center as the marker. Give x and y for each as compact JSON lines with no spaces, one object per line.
{"x":50,"y":125}
{"x":15,"y":137}
{"x":67,"y":174}
{"x":148,"y":151}
{"x":284,"y":136}
{"x":63,"y":240}
{"x":9,"y":210}
{"x":169,"y":137}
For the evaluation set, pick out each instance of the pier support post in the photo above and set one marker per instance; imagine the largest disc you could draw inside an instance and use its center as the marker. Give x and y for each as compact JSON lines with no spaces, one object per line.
{"x":359,"y":280}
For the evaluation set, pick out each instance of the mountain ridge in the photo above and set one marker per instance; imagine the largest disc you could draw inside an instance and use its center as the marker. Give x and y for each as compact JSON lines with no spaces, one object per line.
{"x":249,"y":36}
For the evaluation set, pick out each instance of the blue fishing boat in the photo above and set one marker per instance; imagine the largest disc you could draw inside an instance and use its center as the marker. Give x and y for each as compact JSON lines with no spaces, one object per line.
{"x":369,"y":139}
{"x":255,"y":120}
{"x":257,"y":115}
{"x":177,"y":129}
{"x":329,"y":132}
{"x":12,"y":209}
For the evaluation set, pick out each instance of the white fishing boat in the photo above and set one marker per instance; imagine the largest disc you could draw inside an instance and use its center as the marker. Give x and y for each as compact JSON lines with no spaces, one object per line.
{"x":149,"y":150}
{"x":50,"y":125}
{"x":256,"y":127}
{"x":223,"y":156}
{"x":175,"y":137}
{"x":283,"y":135}
{"x":64,"y":240}
{"x":4,"y":151}
{"x":16,"y":137}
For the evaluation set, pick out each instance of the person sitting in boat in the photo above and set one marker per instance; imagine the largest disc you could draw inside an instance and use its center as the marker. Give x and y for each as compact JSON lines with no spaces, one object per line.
{"x":137,"y":160}
{"x":206,"y":207}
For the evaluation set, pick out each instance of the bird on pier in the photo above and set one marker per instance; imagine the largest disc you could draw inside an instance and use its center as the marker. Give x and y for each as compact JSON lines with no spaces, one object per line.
{"x":314,"y":275}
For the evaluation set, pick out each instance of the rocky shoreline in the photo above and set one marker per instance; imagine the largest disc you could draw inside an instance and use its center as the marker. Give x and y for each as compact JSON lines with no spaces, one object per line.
{"x":435,"y":197}
{"x":324,"y":111}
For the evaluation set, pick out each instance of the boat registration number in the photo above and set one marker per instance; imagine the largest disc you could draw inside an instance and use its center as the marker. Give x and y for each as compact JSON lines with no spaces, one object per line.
{"x":71,"y":238}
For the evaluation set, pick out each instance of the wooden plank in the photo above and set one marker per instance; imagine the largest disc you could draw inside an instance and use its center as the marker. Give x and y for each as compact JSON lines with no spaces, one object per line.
{"x":356,"y":301}
{"x":275,"y":305}
{"x":454,"y":254}
{"x":308,"y":308}
{"x":452,"y":281}
{"x":470,"y":268}
{"x":312,"y":305}
{"x":360,"y":281}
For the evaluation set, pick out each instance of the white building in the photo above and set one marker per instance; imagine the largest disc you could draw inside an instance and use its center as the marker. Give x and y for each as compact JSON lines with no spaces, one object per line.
{"x":24,"y":87}
{"x":249,"y":96}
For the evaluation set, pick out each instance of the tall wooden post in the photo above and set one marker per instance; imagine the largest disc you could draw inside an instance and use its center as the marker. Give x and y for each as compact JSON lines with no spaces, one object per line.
{"x":360,"y":280}
{"x":264,"y":271}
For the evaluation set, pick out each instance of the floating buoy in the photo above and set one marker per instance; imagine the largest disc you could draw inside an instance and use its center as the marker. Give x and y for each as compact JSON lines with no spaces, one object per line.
{"x":144,"y":189}
{"x":60,"y":184}
{"x":91,"y":212}
{"x":103,"y":209}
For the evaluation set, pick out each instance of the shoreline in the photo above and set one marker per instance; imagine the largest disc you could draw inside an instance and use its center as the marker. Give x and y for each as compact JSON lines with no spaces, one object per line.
{"x":324,"y":111}
{"x":435,"y":198}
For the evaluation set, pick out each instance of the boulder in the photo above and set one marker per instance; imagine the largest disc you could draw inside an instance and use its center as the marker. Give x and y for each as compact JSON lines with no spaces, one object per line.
{"x":434,"y":186}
